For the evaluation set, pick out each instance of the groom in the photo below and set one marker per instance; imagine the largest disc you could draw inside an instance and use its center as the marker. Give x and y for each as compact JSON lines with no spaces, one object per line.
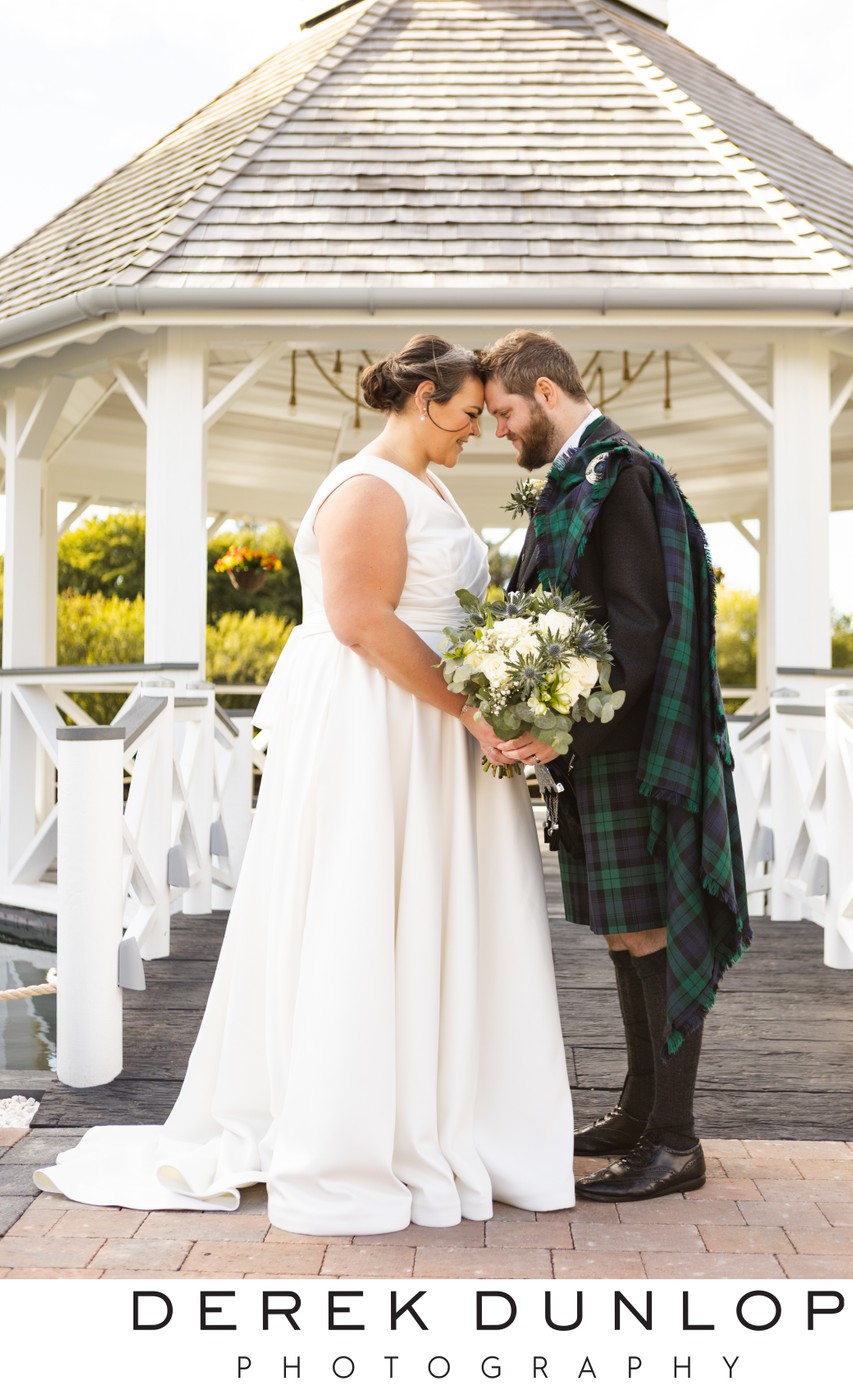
{"x":649,"y":844}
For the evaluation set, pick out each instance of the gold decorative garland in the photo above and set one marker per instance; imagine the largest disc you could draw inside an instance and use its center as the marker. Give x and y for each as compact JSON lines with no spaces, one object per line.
{"x":594,"y":371}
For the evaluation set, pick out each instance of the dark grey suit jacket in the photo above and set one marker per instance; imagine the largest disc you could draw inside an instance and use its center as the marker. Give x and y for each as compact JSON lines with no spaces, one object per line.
{"x":622,"y":571}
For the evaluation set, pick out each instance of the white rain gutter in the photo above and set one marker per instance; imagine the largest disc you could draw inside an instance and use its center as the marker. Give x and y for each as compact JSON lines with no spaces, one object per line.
{"x":108,"y":302}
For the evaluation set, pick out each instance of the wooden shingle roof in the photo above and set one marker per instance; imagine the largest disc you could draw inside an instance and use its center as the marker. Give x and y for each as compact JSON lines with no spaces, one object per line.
{"x":469,"y":142}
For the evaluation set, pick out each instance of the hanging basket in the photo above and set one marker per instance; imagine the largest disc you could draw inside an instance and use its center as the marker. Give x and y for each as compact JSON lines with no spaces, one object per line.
{"x":248,"y":580}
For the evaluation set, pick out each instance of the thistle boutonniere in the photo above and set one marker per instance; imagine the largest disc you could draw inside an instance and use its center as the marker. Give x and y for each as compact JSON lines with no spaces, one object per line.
{"x":525,"y":498}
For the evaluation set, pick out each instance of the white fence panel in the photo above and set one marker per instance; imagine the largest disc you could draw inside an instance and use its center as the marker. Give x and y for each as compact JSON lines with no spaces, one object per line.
{"x":798,"y":795}
{"x":838,"y":928}
{"x":750,"y":740}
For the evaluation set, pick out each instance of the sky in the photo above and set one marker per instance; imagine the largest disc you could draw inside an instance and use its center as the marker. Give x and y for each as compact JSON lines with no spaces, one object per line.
{"x":88,"y":84}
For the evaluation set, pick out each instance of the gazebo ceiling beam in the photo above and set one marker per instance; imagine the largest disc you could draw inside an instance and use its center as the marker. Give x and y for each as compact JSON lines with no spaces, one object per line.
{"x":42,"y":419}
{"x":326,"y":422}
{"x":740,"y":388}
{"x":124,"y":491}
{"x":679,"y":428}
{"x":747,"y":534}
{"x":81,"y":507}
{"x":344,"y":427}
{"x":225,"y":398}
{"x":840,"y":397}
{"x":135,"y":386}
{"x":81,"y":423}
{"x":841,"y":343}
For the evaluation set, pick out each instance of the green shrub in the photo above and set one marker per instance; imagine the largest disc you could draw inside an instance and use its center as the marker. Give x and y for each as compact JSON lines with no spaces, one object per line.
{"x":106,"y":554}
{"x":92,"y":629}
{"x":242,"y":648}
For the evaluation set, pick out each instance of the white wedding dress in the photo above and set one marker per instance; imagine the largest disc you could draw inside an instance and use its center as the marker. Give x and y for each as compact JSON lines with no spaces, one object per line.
{"x":382,"y":1042}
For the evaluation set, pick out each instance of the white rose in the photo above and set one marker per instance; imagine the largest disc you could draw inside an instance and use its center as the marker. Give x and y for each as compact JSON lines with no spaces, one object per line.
{"x":556,"y":623}
{"x":590,"y":673}
{"x":525,"y":646}
{"x":583,"y":670}
{"x":511,"y":628}
{"x":495,"y":669}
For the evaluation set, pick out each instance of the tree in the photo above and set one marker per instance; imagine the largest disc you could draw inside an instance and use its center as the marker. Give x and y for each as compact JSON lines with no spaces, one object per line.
{"x":842,"y":641}
{"x":105,"y":554}
{"x":737,"y":637}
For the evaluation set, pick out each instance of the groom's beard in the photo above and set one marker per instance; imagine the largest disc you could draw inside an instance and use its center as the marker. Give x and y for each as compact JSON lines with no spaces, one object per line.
{"x":541,"y":441}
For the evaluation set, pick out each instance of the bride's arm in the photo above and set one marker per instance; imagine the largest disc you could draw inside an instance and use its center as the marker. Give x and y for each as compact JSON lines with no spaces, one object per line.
{"x":361,"y":533}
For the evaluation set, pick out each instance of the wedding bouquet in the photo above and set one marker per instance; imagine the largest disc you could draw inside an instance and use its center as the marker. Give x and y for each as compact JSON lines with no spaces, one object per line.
{"x":532,"y":661}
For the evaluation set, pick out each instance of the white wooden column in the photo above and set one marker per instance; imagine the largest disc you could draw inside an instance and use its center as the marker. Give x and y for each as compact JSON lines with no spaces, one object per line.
{"x":798,"y":602}
{"x":762,"y":667}
{"x":176,"y":501}
{"x":50,"y":562}
{"x":29,"y":424}
{"x":26,"y":787}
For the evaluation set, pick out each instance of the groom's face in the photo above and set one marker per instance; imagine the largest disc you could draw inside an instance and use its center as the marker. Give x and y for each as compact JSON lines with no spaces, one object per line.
{"x":528,"y":426}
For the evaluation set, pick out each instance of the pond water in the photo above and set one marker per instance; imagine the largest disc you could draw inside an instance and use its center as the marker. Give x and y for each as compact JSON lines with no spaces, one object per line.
{"x":28,"y":1026}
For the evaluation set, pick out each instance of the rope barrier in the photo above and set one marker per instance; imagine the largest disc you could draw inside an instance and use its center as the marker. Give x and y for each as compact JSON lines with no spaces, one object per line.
{"x":40,"y":989}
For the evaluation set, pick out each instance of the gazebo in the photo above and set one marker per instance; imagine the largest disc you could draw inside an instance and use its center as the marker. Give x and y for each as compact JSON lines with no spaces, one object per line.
{"x":188,"y":336}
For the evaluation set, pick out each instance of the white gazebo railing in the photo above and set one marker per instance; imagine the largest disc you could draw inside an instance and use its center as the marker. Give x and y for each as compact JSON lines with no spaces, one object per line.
{"x":34,"y":704}
{"x":117,"y":827}
{"x":794,"y":782}
{"x":153,"y":814}
{"x":838,"y":933}
{"x":751,"y":745}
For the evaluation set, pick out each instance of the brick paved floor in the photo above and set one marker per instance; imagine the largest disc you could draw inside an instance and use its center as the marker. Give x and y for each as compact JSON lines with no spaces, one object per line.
{"x":770,"y":1209}
{"x":777,"y":1063}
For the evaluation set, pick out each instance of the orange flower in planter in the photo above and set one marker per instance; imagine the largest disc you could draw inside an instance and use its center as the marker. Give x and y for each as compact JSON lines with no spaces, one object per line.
{"x":247,"y":568}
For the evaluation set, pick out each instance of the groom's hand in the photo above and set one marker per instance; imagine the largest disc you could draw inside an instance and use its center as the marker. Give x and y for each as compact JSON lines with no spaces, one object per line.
{"x":528,"y":749}
{"x":486,"y":736}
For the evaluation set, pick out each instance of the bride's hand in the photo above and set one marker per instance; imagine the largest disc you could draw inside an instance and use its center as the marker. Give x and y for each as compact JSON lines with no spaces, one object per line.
{"x":486,"y":736}
{"x":527,"y":749}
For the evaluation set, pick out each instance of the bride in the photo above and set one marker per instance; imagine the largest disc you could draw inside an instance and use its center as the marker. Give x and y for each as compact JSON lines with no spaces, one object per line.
{"x":381,"y":1044}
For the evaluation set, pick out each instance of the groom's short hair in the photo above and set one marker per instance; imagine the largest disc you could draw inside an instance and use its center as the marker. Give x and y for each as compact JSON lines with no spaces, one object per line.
{"x":522,"y":358}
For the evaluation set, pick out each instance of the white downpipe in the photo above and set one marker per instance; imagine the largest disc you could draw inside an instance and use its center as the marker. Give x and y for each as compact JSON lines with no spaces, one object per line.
{"x":90,"y":906}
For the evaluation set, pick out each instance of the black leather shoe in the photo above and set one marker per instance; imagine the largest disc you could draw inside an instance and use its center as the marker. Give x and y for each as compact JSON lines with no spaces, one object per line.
{"x":607,"y":1136}
{"x":648,"y":1170}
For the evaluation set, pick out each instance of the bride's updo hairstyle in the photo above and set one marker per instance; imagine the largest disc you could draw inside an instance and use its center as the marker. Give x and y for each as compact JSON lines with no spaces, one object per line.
{"x":389,"y":384}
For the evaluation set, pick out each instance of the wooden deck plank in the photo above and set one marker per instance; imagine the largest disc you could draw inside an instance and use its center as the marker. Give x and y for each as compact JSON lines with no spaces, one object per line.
{"x":777,"y":1059}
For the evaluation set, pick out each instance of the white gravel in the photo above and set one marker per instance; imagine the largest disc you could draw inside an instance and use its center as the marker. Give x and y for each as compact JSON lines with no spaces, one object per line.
{"x":17,"y":1111}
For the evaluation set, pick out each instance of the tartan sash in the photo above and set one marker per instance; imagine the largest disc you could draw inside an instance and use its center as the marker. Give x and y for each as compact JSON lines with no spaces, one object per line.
{"x":685,"y":764}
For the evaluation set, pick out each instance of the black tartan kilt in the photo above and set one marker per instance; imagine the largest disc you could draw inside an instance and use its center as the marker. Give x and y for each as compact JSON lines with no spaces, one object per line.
{"x":610,"y":881}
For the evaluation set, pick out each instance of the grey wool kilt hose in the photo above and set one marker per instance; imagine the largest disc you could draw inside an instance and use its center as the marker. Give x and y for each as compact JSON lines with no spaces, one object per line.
{"x":610,"y":880}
